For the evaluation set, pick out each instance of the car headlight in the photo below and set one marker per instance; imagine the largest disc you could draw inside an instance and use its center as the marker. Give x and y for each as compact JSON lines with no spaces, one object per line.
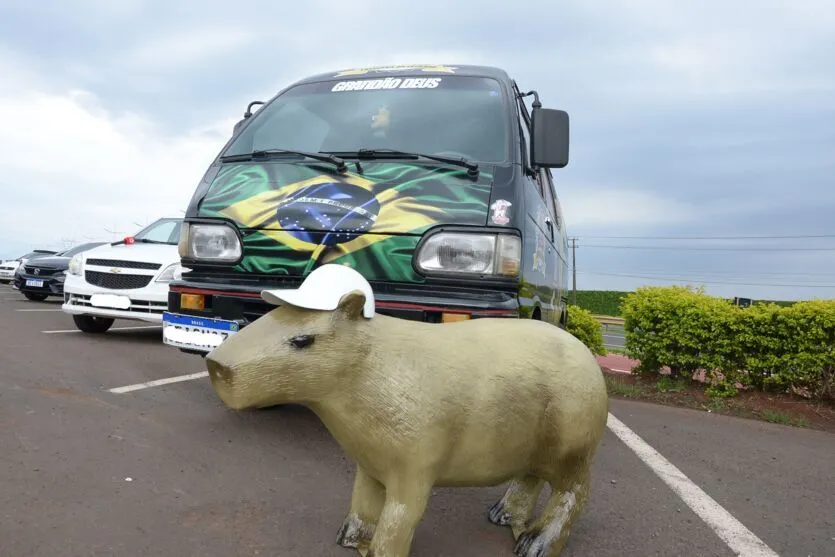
{"x":168,"y":274}
{"x":470,"y":254}
{"x":74,"y":267}
{"x":212,"y":243}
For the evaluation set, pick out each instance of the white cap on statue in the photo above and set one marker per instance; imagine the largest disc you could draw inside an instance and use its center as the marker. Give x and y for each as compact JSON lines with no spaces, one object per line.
{"x":323,"y":288}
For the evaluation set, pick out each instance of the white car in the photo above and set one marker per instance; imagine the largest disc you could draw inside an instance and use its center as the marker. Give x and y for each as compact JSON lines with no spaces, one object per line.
{"x":124,"y":280}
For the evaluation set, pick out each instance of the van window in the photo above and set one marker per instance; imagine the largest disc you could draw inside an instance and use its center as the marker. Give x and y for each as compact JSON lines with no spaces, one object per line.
{"x":454,"y":115}
{"x":550,"y":201}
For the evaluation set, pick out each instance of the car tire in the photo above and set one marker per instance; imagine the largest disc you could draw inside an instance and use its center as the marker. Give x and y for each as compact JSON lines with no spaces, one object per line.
{"x":35,"y":297}
{"x":92,"y":324}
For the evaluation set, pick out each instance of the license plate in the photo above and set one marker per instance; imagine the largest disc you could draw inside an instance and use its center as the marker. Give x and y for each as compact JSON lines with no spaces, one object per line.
{"x":112,"y":301}
{"x":34,"y":283}
{"x":199,"y":333}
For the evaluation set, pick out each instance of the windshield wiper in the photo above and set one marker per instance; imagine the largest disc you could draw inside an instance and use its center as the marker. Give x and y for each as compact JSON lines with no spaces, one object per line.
{"x":264,"y":153}
{"x":472,"y":168}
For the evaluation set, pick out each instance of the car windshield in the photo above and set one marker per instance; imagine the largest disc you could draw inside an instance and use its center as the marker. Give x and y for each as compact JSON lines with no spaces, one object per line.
{"x":162,"y":231}
{"x":445,"y":115}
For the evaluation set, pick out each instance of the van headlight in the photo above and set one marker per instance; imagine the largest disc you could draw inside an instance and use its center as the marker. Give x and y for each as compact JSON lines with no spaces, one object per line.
{"x":210,"y":243}
{"x":470,"y":254}
{"x":75,"y":264}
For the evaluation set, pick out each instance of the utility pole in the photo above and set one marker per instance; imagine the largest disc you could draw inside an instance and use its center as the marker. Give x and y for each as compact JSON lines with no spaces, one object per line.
{"x":574,"y":270}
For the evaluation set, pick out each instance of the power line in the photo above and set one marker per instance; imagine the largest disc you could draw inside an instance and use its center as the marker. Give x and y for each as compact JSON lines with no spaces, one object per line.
{"x":742,"y":273}
{"x":799,"y":236}
{"x":670,"y":279}
{"x":702,"y":249}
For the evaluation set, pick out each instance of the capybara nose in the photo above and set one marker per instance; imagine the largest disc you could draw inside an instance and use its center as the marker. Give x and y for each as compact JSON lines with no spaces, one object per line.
{"x":217,"y":371}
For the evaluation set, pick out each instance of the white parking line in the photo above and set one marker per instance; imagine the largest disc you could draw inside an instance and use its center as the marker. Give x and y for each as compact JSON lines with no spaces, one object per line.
{"x":157,"y":382}
{"x":38,"y":309}
{"x":110,"y":329}
{"x":741,"y":540}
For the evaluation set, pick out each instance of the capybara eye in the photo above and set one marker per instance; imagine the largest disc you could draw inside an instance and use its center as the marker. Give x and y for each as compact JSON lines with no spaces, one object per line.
{"x":302,"y":341}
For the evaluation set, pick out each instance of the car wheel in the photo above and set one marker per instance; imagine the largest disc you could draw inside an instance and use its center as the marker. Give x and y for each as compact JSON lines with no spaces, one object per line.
{"x":92,"y":324}
{"x":35,"y":297}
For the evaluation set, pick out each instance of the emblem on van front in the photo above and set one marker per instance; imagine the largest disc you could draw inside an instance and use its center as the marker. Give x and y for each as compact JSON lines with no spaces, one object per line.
{"x":499,"y":208}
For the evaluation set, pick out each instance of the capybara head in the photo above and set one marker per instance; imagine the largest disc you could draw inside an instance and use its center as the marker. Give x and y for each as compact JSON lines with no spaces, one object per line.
{"x":291,"y":354}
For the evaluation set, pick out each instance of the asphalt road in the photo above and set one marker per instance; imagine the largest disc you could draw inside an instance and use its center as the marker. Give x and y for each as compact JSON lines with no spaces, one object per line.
{"x":168,"y":470}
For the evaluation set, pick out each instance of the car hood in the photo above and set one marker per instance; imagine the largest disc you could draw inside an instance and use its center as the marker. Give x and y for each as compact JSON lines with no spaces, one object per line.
{"x":49,"y":262}
{"x":164,"y":254}
{"x":298,"y":216}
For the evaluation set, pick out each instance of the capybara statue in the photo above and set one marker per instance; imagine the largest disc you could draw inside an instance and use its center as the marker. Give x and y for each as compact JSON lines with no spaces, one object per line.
{"x":416,"y":405}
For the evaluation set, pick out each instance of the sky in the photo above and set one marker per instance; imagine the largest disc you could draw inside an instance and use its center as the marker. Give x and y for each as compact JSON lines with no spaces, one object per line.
{"x":688,"y":118}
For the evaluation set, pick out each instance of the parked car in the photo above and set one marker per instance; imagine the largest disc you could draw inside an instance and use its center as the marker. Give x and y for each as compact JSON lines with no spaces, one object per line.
{"x":9,"y":266}
{"x":40,"y":277}
{"x":123,"y":280}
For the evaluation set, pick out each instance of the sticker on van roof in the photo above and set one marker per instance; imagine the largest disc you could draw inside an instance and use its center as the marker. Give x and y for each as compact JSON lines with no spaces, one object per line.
{"x":397,"y":68}
{"x":387,"y":83}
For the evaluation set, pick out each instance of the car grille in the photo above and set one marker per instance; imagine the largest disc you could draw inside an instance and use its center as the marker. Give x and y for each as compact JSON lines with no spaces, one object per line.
{"x":124,"y":264}
{"x":117,"y":281}
{"x":42,"y":272}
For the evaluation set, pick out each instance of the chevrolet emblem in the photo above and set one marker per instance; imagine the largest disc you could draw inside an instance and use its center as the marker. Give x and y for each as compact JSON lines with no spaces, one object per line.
{"x":115,"y":270}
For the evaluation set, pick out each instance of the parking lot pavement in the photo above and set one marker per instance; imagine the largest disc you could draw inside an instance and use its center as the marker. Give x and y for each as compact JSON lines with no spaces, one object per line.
{"x":166,"y":469}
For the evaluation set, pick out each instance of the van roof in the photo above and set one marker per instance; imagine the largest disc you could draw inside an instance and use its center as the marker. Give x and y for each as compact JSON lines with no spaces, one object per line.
{"x":378,"y":72}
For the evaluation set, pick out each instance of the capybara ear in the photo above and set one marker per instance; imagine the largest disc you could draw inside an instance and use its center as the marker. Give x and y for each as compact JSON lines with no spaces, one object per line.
{"x":351,"y":304}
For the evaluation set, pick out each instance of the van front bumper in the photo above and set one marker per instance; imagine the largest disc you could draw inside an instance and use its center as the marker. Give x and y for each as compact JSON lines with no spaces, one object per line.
{"x":228,"y":309}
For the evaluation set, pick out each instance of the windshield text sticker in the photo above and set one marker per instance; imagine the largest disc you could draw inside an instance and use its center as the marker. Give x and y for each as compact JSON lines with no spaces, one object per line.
{"x":388,"y":83}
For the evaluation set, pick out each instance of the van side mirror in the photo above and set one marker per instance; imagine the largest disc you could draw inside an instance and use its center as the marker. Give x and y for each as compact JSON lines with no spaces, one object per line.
{"x":549,"y":138}
{"x":238,"y":125}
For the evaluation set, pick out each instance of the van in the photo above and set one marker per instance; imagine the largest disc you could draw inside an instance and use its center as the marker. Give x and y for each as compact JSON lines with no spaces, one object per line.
{"x":433,"y":181}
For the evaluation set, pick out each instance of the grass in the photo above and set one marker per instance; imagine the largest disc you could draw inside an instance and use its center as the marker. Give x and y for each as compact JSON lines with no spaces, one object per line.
{"x":783,"y":409}
{"x":778,"y":417}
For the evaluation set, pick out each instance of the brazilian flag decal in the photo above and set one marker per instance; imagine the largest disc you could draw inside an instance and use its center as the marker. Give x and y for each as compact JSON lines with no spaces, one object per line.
{"x":301,"y":215}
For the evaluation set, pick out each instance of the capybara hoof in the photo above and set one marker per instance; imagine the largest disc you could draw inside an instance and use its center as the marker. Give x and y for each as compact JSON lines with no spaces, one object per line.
{"x":498,"y":515}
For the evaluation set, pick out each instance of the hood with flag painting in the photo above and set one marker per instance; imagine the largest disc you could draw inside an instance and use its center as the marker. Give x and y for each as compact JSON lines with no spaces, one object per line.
{"x":297,"y":216}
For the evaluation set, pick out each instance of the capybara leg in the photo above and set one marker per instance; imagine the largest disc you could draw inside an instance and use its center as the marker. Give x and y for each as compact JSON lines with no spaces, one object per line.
{"x":516,"y":506}
{"x":367,"y":501}
{"x":404,"y":507}
{"x":547,"y":536}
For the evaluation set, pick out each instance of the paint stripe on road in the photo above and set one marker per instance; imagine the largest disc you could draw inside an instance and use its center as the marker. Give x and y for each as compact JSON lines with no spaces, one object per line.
{"x":158,"y":382}
{"x":741,"y":540}
{"x":37,"y":310}
{"x":110,"y":329}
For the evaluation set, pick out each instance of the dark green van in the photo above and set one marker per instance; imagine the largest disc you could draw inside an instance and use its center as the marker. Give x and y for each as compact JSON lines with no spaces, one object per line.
{"x":434,"y":182}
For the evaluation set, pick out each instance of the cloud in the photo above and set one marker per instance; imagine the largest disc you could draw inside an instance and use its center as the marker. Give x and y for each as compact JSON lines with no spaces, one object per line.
{"x":687,"y":117}
{"x":180,"y":48}
{"x":76,"y":168}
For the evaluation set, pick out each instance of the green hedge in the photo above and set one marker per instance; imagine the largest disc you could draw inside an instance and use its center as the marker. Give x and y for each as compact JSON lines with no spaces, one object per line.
{"x":601,"y":302}
{"x":582,"y":324}
{"x":766,"y":346}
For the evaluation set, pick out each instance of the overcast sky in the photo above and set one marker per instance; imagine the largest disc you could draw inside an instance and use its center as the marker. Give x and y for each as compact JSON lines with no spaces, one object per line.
{"x":697,"y":118}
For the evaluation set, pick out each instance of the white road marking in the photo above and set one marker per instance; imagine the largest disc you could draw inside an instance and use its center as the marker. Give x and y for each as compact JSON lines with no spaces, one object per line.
{"x":111,"y":329}
{"x":735,"y":535}
{"x":37,"y":310}
{"x":157,"y":382}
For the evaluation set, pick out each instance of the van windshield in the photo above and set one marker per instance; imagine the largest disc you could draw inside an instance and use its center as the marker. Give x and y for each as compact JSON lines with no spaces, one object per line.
{"x":457,"y":116}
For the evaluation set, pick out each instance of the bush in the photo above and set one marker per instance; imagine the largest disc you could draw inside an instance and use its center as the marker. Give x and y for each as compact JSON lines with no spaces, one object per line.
{"x":582,"y":324}
{"x":766,"y":346}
